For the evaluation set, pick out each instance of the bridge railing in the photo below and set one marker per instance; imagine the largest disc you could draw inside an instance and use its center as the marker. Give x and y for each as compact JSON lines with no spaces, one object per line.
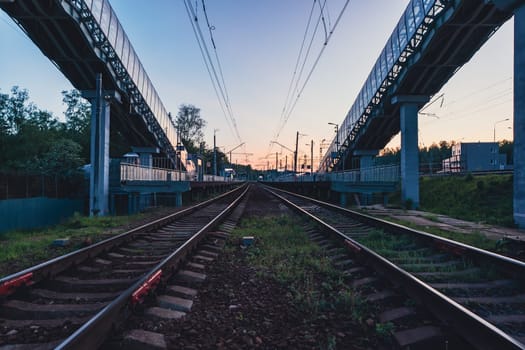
{"x":135,"y":172}
{"x":388,"y":173}
{"x":216,"y":178}
{"x":383,"y":173}
{"x":98,"y":19}
{"x":413,"y":26}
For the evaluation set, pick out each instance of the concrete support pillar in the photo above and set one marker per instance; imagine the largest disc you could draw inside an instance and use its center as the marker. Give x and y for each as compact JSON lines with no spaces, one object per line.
{"x":343,"y":199}
{"x":408,"y":108}
{"x":366,"y":199}
{"x":178,"y":199}
{"x":99,"y":177}
{"x":366,"y":161}
{"x":146,"y":155}
{"x":519,"y":117}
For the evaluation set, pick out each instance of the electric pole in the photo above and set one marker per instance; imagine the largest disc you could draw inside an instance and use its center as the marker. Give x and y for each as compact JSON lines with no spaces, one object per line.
{"x":214,"y":153}
{"x":295,"y":153}
{"x":312,"y":157}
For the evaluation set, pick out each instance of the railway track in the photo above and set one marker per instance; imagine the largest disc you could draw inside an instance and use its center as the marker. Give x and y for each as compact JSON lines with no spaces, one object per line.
{"x":476,"y":294}
{"x":78,"y":300}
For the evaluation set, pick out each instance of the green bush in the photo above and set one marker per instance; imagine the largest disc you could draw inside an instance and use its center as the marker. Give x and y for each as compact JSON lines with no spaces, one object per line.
{"x":480,"y":185}
{"x":486,"y":198}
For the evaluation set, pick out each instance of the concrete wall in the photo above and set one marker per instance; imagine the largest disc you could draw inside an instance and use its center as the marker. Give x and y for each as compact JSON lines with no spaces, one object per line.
{"x":36,"y":212}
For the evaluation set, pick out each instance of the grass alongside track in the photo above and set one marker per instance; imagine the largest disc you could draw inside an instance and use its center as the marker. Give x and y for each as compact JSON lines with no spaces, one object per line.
{"x":282,"y":251}
{"x":479,"y":198}
{"x":24,"y":248}
{"x":474,"y":239}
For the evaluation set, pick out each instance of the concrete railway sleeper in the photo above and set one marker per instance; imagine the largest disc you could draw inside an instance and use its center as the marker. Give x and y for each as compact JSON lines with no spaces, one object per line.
{"x":475,"y":294}
{"x":77,"y":300}
{"x":175,"y":299}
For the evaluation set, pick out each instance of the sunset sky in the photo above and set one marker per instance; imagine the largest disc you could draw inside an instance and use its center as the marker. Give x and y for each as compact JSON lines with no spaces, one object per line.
{"x":258,"y":42}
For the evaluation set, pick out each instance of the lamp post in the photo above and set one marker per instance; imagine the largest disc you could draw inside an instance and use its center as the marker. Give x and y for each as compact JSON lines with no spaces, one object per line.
{"x":215,"y":152}
{"x":336,"y":141}
{"x":312,"y":157}
{"x":289,"y":149}
{"x":336,"y":136}
{"x":497,"y":122}
{"x":233,"y":149}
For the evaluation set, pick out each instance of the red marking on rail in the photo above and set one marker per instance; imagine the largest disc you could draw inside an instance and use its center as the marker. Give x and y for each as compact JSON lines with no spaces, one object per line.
{"x":10,"y":286}
{"x":352,"y":246}
{"x":151,"y":283}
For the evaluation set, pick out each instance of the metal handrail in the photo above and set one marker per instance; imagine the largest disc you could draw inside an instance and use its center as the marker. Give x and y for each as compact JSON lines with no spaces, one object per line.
{"x":93,"y":333}
{"x":479,"y":332}
{"x":408,"y":35}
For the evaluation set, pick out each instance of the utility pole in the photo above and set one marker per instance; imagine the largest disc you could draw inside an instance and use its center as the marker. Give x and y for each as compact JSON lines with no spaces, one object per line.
{"x":304,"y":163}
{"x":233,"y":149}
{"x":276,"y":161}
{"x":312,"y":157}
{"x":286,"y":164}
{"x":295,"y":153}
{"x":179,"y":155}
{"x":214,"y":153}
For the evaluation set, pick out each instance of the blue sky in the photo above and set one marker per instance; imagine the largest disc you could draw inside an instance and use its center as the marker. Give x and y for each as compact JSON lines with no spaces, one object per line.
{"x":258,"y":43}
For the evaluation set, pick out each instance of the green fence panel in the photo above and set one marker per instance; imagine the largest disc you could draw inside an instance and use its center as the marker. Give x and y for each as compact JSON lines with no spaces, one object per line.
{"x":28,"y":213}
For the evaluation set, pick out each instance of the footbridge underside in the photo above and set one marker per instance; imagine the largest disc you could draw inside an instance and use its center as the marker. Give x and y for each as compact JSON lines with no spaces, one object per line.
{"x":445,"y":35}
{"x":84,"y":38}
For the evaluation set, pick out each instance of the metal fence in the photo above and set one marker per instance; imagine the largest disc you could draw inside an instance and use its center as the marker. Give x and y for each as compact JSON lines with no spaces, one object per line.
{"x":384,"y":173}
{"x":388,"y":173}
{"x":99,"y":21}
{"x":144,"y":173}
{"x":130,"y":172}
{"x":407,"y":36}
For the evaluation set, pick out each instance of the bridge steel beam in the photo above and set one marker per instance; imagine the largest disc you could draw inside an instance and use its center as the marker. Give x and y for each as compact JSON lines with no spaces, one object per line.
{"x":100,"y":121}
{"x":409,"y":106}
{"x":99,"y":177}
{"x":519,"y":117}
{"x":366,"y":160}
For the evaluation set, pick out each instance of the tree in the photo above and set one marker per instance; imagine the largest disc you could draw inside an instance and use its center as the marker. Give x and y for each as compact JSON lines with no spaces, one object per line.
{"x":190,"y":125}
{"x":62,"y":159}
{"x":507,"y":147}
{"x":13,"y":110}
{"x":27,"y":132}
{"x":78,"y":121}
{"x":34,"y":141}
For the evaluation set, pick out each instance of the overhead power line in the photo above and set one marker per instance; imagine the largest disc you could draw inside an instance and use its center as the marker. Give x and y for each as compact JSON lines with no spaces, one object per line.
{"x":218,"y":84}
{"x":297,"y":62}
{"x":290,"y":103}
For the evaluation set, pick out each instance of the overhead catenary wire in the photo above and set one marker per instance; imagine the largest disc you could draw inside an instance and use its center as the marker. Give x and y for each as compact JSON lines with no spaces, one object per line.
{"x":208,"y":67}
{"x":221,"y":87}
{"x":478,"y":91}
{"x":219,"y":65}
{"x":324,"y":21}
{"x":211,"y":29}
{"x":218,"y":84}
{"x":283,"y":112}
{"x":299,"y":76}
{"x":312,"y":69}
{"x":469,"y":110}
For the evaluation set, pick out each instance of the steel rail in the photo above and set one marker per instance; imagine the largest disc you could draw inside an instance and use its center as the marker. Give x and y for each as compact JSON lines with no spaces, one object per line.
{"x":472,"y":327}
{"x":94,"y":332}
{"x":50,"y":268}
{"x":510,"y":265}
